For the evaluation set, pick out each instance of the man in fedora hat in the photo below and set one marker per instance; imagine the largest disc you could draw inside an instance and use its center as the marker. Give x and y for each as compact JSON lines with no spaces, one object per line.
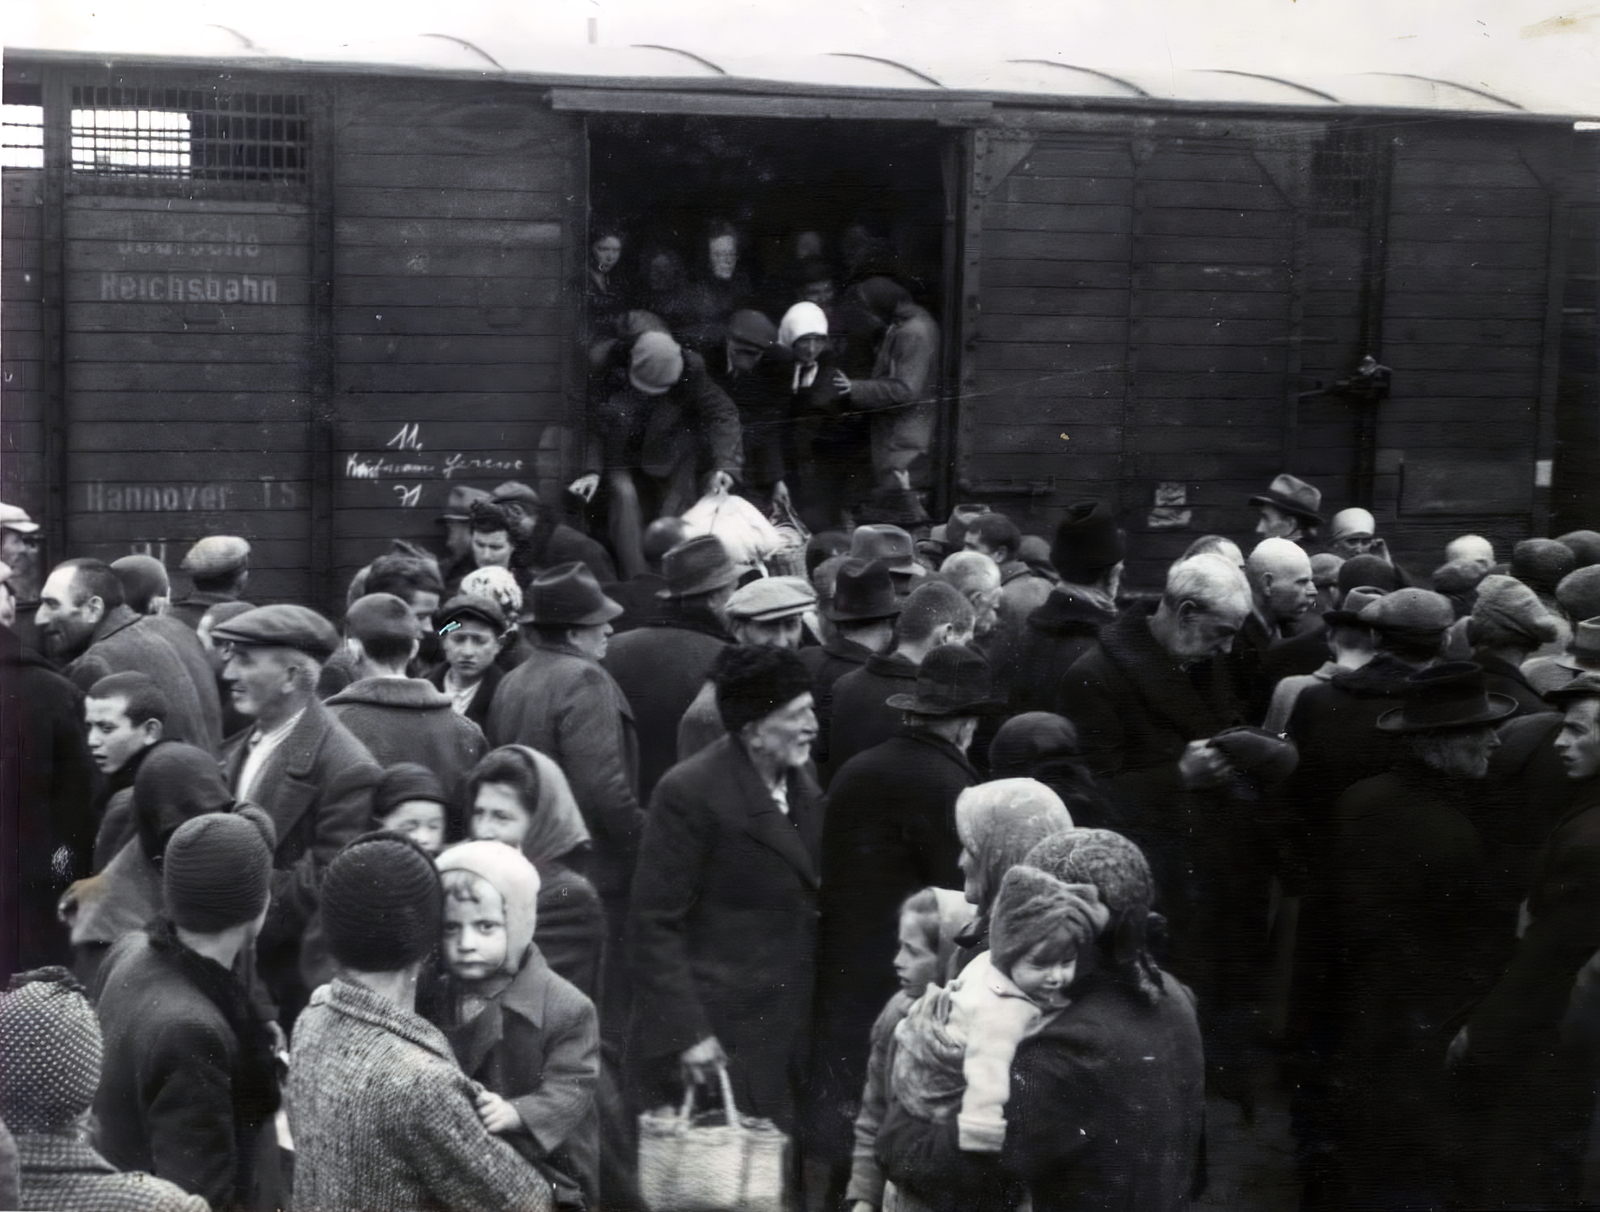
{"x":1412,"y":893}
{"x":662,"y":666}
{"x":895,"y":547}
{"x":1288,"y":510}
{"x":1532,"y":1096}
{"x":862,"y":614}
{"x":890,"y":830}
{"x":562,"y":702}
{"x":304,"y":767}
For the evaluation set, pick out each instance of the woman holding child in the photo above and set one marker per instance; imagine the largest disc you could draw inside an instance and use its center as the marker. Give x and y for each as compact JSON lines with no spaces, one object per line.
{"x":1102,"y":1100}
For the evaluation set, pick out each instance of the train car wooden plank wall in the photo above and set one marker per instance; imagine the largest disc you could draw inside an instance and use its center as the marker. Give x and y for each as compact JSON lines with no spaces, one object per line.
{"x":188,"y":379}
{"x":452,"y":244}
{"x":22,"y":341}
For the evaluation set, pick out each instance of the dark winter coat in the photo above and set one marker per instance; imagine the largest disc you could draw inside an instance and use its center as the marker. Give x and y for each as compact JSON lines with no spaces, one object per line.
{"x":187,"y":1088}
{"x":1107,"y":1103}
{"x":723,"y":929}
{"x":859,"y":717}
{"x":570,"y":926}
{"x":564,"y":704}
{"x":1335,"y":727}
{"x":1054,"y":636}
{"x":537,"y":1045}
{"x":46,"y":803}
{"x":1136,"y":709}
{"x":762,"y":397}
{"x":478,"y":709}
{"x":186,"y":643}
{"x":828,"y":663}
{"x":830,"y":447}
{"x":891,"y":830}
{"x":317,"y":787}
{"x":408,"y":720}
{"x":1500,"y":676}
{"x":642,"y":605}
{"x":660,"y":669}
{"x":693,"y":424}
{"x":124,"y":641}
{"x":191,"y":609}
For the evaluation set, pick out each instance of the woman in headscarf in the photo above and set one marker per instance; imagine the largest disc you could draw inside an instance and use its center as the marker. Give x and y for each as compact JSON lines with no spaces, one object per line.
{"x":998,"y":823}
{"x":832,"y":442}
{"x":724,"y":913}
{"x":518,"y":796}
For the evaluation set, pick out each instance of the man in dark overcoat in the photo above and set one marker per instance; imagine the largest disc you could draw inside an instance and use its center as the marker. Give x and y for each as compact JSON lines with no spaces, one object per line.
{"x":662,"y":665}
{"x":1088,"y":554}
{"x":1409,"y":906}
{"x":1530,"y":1093}
{"x":862,"y":614}
{"x":313,"y":778}
{"x":722,"y":937}
{"x":85,"y":623}
{"x":891,"y":830}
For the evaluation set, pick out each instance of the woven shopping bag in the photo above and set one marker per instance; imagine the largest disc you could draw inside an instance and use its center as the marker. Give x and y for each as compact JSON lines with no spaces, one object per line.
{"x":687,"y":1164}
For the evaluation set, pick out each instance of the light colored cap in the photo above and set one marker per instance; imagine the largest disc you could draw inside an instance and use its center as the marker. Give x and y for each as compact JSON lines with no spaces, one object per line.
{"x":216,"y":555}
{"x":14,"y":517}
{"x":772,"y":598}
{"x":1353,"y":524}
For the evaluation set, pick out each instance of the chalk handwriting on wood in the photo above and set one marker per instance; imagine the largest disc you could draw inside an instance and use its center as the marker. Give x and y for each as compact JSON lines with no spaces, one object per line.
{"x":410,"y":495}
{"x":409,"y":438}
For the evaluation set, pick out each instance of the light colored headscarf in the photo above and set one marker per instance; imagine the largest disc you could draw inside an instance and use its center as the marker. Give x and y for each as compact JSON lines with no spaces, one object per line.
{"x":801,"y":320}
{"x":513,"y":877}
{"x":1000,"y":821}
{"x":556,"y":825}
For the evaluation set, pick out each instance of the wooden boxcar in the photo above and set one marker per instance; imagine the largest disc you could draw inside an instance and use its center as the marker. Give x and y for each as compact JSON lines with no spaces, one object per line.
{"x":298,"y":300}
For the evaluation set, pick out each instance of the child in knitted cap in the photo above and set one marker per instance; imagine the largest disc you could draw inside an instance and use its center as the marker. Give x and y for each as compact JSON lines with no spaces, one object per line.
{"x":953,"y":1049}
{"x":929,"y":922}
{"x":410,"y":799}
{"x":528,"y":1036}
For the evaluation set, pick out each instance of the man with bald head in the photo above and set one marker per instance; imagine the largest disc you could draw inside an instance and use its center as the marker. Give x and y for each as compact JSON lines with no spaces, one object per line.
{"x":1283,"y":593}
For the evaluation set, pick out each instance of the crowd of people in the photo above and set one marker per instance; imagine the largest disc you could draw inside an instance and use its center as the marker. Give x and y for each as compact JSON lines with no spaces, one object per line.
{"x":962,"y":867}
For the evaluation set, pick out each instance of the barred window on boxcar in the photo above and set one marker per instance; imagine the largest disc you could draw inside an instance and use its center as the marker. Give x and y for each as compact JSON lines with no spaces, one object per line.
{"x":158,"y":139}
{"x":21,"y":136}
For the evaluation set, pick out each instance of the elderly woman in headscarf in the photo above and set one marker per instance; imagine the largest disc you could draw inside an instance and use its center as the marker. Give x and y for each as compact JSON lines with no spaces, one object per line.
{"x":724,"y":912}
{"x":999,"y":822}
{"x":832,"y":441}
{"x":518,"y":796}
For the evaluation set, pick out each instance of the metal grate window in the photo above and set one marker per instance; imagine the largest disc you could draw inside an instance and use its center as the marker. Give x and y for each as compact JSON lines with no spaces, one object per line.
{"x":1347,"y":175}
{"x":21,"y":136}
{"x":190,"y":135}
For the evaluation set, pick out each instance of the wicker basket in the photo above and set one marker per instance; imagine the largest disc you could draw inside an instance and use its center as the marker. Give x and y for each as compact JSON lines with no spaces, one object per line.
{"x":737,"y":1165}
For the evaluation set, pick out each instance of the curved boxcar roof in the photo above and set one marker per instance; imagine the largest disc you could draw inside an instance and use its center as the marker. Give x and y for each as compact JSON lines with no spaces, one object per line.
{"x":1042,"y":82}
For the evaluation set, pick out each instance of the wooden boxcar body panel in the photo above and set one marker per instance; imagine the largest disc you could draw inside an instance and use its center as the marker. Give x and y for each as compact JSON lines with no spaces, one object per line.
{"x":1141,"y":303}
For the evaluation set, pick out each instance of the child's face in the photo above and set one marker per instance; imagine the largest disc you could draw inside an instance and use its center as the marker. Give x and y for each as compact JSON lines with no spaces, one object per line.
{"x":915,"y":963}
{"x":475,"y":934}
{"x":498,"y":815}
{"x":1046,"y":972}
{"x":470,"y":648}
{"x":420,"y":820}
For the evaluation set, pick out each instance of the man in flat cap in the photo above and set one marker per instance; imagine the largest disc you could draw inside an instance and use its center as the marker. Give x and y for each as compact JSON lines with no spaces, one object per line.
{"x":543,"y":540}
{"x":218,"y":567}
{"x":304,"y":768}
{"x":1530,"y":1092}
{"x":19,"y":550}
{"x":85,"y":622}
{"x":766,"y":613}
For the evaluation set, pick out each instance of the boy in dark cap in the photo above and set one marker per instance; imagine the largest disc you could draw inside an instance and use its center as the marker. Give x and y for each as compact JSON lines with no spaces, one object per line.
{"x":190,"y":1086}
{"x":383,"y":1118}
{"x":303,"y":767}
